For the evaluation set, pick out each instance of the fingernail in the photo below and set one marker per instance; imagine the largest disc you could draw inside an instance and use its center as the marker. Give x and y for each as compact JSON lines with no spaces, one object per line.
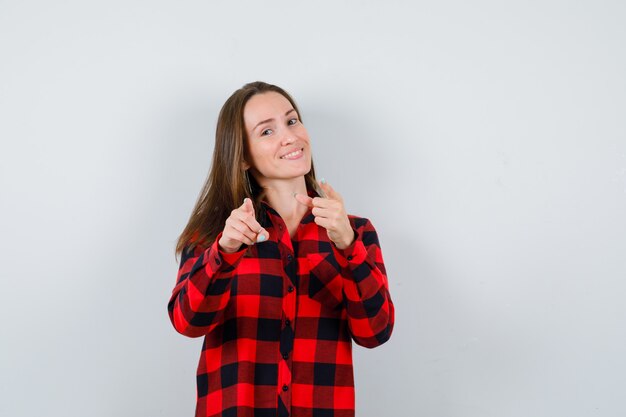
{"x":323,"y":181}
{"x":260,"y":238}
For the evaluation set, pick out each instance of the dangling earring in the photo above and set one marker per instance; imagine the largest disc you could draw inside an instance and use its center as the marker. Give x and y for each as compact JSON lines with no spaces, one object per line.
{"x":248,"y":182}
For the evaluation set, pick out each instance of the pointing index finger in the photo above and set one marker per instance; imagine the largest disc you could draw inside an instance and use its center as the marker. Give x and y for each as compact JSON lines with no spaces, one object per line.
{"x":247,"y":205}
{"x":304,"y":199}
{"x":249,"y":220}
{"x":329,"y":191}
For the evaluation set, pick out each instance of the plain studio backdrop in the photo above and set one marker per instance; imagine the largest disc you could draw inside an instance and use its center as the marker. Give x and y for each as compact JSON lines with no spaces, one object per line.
{"x":486,"y":142}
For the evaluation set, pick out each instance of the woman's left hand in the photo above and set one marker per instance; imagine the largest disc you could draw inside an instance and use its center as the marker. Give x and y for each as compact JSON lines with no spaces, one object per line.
{"x":330,"y":213}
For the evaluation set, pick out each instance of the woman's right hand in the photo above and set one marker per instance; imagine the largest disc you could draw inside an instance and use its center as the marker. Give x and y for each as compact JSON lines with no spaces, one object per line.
{"x":242,"y":228}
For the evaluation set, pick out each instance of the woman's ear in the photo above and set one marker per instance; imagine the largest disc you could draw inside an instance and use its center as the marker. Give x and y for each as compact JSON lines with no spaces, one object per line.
{"x":245,"y":165}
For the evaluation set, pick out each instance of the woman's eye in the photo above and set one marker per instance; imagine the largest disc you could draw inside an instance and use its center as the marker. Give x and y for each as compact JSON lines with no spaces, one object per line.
{"x":266,"y":132}
{"x":293,"y":121}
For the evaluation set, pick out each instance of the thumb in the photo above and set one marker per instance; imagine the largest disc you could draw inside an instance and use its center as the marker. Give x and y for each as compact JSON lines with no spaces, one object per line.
{"x":304,"y":199}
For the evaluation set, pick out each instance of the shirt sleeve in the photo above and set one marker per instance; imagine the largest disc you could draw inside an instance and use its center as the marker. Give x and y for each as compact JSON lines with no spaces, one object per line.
{"x":369,"y":306}
{"x":202,"y":288}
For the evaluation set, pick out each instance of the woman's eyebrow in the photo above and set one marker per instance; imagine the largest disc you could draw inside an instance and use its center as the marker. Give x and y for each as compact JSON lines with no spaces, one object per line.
{"x":270,"y":120}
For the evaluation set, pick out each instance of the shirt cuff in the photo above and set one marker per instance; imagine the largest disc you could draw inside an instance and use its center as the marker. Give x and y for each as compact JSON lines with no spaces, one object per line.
{"x":354,"y":254}
{"x":220,"y":259}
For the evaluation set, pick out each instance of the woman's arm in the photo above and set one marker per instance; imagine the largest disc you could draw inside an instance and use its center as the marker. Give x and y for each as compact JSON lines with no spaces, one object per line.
{"x":357,"y":251}
{"x":366,"y":290}
{"x":202,"y":290}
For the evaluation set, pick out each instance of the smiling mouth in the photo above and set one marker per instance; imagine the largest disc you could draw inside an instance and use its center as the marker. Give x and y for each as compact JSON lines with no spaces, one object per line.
{"x":293,"y":155}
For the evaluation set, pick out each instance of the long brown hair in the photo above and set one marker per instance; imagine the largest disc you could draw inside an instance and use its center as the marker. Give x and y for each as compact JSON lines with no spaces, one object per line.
{"x":227,"y":185}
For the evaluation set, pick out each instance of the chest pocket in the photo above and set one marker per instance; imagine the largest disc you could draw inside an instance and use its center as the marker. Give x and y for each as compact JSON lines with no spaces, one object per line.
{"x":324,"y":283}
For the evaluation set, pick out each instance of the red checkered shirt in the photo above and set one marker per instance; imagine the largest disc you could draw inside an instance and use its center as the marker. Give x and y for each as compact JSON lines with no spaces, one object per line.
{"x":278,"y":319}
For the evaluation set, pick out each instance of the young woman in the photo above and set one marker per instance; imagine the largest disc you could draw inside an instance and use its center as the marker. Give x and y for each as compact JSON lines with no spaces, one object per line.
{"x":274,"y":274}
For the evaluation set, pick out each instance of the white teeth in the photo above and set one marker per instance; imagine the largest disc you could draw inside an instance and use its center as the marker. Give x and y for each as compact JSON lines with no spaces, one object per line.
{"x":292,"y":154}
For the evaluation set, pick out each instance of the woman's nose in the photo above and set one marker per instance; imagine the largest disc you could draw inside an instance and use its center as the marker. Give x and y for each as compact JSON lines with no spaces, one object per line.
{"x":287,"y":139}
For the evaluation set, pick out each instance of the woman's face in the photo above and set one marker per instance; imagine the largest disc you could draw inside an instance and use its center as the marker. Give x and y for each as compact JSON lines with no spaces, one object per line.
{"x":278,"y":143}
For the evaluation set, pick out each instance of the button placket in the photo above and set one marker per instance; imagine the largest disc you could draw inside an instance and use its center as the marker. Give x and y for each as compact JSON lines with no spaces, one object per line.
{"x":289,"y":313}
{"x":288,"y":250}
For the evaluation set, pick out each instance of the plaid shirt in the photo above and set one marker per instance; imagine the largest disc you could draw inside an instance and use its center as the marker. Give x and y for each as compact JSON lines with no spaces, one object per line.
{"x":278,"y":319}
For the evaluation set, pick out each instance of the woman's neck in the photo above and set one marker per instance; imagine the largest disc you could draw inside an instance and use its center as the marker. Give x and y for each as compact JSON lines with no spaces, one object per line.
{"x":279,"y":195}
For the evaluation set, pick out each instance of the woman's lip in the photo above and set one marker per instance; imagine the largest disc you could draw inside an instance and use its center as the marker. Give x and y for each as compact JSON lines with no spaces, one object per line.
{"x":297,"y":156}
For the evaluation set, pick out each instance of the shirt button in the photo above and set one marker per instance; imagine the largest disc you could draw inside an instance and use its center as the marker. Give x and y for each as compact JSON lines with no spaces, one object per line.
{"x":289,"y":258}
{"x":285,"y":355}
{"x":280,"y":226}
{"x":349,"y":257}
{"x":290,"y":289}
{"x":217,"y":261}
{"x":288,"y":322}
{"x":285,"y":387}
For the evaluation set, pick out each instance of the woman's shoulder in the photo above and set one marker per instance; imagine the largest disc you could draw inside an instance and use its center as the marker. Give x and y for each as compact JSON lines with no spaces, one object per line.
{"x":364,"y":229}
{"x":357,"y":219}
{"x":359,"y":222}
{"x":195,"y":246}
